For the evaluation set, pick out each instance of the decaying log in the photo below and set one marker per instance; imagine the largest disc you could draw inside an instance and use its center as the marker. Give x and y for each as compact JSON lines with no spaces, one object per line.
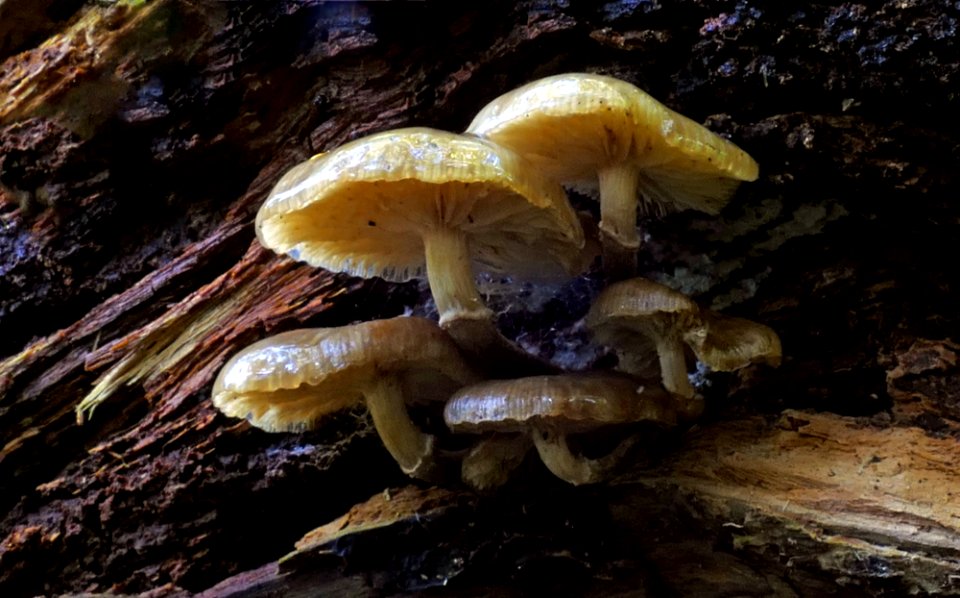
{"x":872,"y":506}
{"x":137,"y":140}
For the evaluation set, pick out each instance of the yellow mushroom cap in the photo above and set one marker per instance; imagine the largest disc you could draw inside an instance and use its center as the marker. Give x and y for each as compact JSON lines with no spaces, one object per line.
{"x":573,"y":125}
{"x":733,"y":343}
{"x":364,"y":207}
{"x":289,"y":381}
{"x":567,"y":403}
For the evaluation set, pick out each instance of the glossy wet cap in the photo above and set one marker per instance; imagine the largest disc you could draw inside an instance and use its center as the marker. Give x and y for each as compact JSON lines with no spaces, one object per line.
{"x":364,"y":207}
{"x":567,"y":402}
{"x":289,"y":381}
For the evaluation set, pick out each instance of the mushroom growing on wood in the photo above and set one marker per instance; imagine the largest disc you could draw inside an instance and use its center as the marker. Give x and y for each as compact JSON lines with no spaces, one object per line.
{"x":580,"y":128}
{"x":549,"y":408}
{"x":288,"y":382}
{"x":409,"y":202}
{"x":734,"y":343}
{"x":633,"y":316}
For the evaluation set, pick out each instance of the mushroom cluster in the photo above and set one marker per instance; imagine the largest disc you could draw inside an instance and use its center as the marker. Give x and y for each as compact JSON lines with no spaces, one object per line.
{"x":424,"y":203}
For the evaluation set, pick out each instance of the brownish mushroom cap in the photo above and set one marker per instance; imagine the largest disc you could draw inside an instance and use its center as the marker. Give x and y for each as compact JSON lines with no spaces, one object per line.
{"x":734,"y":343}
{"x":405,"y":203}
{"x":550,"y":407}
{"x":288,"y":382}
{"x":634,"y":314}
{"x":580,"y":128}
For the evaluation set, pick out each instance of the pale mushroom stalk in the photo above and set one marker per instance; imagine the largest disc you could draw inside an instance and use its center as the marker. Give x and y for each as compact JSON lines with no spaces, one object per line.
{"x":576,"y":469}
{"x":462,"y":312}
{"x":409,"y":446}
{"x":404,"y":203}
{"x":618,"y":219}
{"x":450,"y":274}
{"x":673,"y":371}
{"x":673,"y":366}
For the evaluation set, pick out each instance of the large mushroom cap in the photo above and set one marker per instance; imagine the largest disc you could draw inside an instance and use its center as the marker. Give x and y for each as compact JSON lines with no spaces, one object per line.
{"x":289,"y":381}
{"x":364,"y":208}
{"x":573,"y":125}
{"x":567,"y":402}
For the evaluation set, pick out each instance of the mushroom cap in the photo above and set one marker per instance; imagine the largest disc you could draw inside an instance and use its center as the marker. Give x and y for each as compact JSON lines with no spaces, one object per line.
{"x":289,"y":381}
{"x":642,"y":305}
{"x":733,"y":343}
{"x":567,"y":402}
{"x":572,"y":125}
{"x":364,"y":207}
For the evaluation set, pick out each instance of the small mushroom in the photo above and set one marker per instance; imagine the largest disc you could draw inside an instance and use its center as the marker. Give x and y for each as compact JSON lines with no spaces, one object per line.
{"x":633,"y":316}
{"x":288,"y":382}
{"x":734,"y":343}
{"x":582,"y":128}
{"x":409,"y":202}
{"x":549,"y":408}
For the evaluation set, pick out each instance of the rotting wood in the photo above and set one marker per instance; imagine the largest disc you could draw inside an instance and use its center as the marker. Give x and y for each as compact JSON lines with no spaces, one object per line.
{"x":179,"y":136}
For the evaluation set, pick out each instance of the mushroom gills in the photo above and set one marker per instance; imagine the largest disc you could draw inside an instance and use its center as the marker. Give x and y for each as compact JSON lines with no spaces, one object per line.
{"x":667,"y":189}
{"x":292,"y":380}
{"x":403,"y":203}
{"x":574,"y":126}
{"x":619,"y":236}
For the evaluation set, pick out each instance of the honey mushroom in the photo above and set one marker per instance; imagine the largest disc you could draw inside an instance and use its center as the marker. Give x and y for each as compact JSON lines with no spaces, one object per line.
{"x":733,"y":343}
{"x":633,"y":316}
{"x":639,"y":318}
{"x":409,"y":202}
{"x":583,"y":128}
{"x":290,"y":381}
{"x":548,"y":408}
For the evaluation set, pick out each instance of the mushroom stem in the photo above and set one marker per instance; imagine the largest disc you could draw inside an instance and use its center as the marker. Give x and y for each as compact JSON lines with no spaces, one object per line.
{"x":673,"y":367}
{"x":490,"y":463}
{"x":464,"y":315}
{"x":618,"y":220}
{"x":450,"y":274}
{"x":556,"y":455}
{"x":408,"y":445}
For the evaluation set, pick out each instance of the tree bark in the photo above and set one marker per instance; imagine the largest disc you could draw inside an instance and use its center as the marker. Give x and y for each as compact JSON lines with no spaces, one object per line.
{"x":137,"y":140}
